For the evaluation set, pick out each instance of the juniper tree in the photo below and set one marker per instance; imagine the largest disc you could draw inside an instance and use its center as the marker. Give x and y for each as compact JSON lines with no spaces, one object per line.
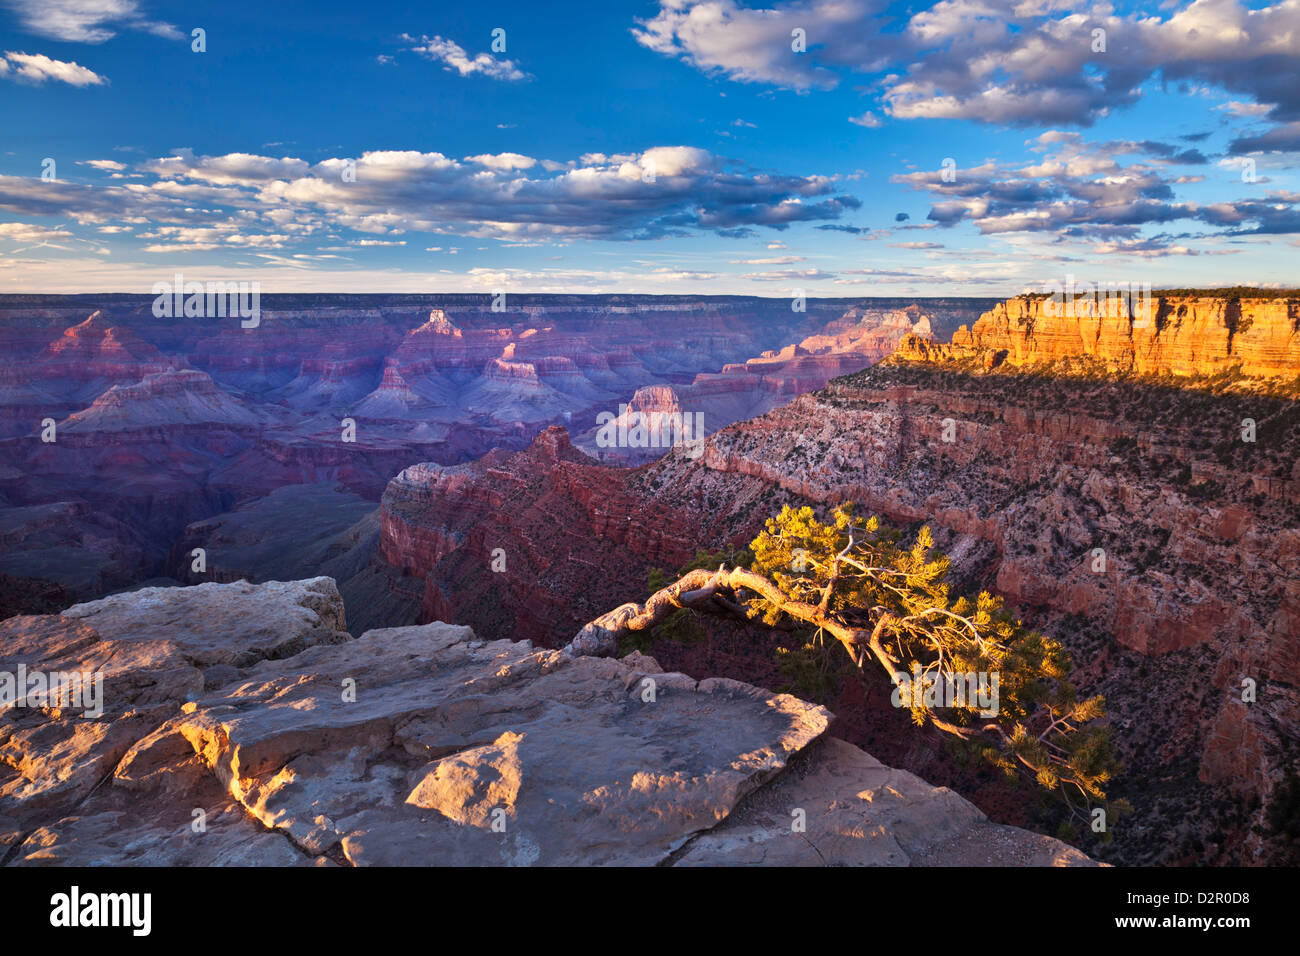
{"x":888,"y":603}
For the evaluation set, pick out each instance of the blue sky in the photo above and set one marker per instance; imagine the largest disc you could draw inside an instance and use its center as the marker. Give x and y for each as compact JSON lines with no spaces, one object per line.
{"x":682,"y":146}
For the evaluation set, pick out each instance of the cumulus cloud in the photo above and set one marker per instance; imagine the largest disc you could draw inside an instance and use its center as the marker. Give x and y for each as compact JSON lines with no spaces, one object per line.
{"x":241,"y":168}
{"x":663,"y":191}
{"x":454,"y":58}
{"x":1081,"y":191}
{"x":720,"y":37}
{"x":38,"y":68}
{"x":1015,"y":62}
{"x":86,"y":21}
{"x":224,"y":235}
{"x":503,"y":161}
{"x":24,"y":232}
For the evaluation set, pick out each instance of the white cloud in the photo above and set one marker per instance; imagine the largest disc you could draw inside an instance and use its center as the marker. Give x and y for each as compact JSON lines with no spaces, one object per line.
{"x":1237,"y":108}
{"x":23,"y":232}
{"x":232,"y":168}
{"x":453,"y":57}
{"x":868,"y":119}
{"x":663,"y":191}
{"x":1017,"y":62}
{"x":503,"y":161}
{"x":788,"y":275}
{"x":86,"y":21}
{"x":754,"y":45}
{"x":39,"y":68}
{"x":1080,"y":192}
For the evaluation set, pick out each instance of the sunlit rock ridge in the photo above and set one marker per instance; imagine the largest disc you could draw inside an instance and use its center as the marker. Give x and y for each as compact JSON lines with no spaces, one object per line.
{"x":1180,"y":335}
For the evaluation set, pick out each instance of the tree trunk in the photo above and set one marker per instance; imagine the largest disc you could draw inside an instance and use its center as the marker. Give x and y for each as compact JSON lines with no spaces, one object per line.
{"x":600,"y":637}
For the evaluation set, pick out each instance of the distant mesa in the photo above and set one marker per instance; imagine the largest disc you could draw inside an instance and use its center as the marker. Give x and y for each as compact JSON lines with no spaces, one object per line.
{"x":174,"y":397}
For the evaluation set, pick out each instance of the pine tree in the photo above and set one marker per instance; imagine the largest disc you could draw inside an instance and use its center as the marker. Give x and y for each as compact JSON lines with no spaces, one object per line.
{"x":888,"y":603}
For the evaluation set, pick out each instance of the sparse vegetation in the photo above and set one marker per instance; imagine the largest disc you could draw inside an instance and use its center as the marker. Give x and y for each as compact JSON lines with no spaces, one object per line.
{"x":854,"y":586}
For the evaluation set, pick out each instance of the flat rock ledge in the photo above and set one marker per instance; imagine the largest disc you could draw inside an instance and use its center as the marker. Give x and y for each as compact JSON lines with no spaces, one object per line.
{"x":241,"y":725}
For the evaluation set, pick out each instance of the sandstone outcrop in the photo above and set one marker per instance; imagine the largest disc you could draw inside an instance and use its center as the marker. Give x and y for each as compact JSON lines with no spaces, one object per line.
{"x":426,"y":745}
{"x":154,"y":649}
{"x":1181,"y":335}
{"x":861,"y":813}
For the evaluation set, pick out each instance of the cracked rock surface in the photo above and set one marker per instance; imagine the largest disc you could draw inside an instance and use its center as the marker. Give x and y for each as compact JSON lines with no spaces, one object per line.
{"x":242,"y":726}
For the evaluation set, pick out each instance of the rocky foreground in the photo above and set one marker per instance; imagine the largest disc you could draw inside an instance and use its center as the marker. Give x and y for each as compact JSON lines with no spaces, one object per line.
{"x":242,"y":725}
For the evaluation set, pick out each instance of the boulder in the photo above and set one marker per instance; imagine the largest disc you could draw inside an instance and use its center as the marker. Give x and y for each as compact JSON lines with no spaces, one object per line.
{"x":839,"y":806}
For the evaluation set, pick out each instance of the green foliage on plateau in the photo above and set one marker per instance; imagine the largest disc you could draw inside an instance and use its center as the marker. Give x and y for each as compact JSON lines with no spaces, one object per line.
{"x":1225,"y":292}
{"x":1230,"y":292}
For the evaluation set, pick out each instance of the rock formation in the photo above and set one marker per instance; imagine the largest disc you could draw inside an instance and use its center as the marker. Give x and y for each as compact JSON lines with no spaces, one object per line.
{"x":1140,"y":522}
{"x":163,"y":423}
{"x":1181,"y":335}
{"x":242,"y":726}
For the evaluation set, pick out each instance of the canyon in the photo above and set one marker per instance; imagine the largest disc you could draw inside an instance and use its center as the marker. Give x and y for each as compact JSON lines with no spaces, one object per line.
{"x":1126,"y":511}
{"x":121,"y":430}
{"x":1129,"y":488}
